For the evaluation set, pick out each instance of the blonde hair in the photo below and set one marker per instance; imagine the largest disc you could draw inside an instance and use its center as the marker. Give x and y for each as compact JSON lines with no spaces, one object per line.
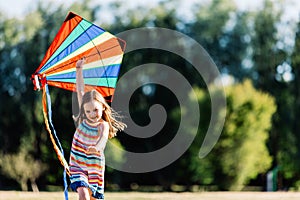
{"x":108,"y":115}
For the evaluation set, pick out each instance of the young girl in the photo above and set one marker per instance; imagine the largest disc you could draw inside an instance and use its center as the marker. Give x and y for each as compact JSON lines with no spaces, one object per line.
{"x":96,"y":123}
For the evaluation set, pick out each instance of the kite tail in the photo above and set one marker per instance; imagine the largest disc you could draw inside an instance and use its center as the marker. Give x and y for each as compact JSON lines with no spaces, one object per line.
{"x":58,"y":149}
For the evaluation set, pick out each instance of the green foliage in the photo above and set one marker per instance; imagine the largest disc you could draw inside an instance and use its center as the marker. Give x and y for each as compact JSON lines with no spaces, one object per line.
{"x":268,"y":59}
{"x":264,"y":46}
{"x":243,"y":142}
{"x":114,"y":157}
{"x":22,"y":167}
{"x":113,"y":153}
{"x":290,"y":152}
{"x":241,"y":152}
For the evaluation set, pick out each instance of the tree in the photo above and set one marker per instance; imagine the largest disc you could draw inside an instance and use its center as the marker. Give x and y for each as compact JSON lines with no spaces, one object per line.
{"x":22,"y":167}
{"x":241,"y":152}
{"x":271,"y":64}
{"x":210,"y":29}
{"x":290,"y":159}
{"x":243,"y":141}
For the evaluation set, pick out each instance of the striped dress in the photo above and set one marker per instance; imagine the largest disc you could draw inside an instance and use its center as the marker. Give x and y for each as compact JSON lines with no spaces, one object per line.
{"x":87,"y":169}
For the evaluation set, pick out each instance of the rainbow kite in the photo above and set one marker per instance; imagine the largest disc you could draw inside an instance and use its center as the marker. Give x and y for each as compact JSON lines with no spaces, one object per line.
{"x":78,"y":38}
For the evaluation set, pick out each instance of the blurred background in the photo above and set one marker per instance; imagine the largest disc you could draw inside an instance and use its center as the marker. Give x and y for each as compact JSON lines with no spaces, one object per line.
{"x":255,"y":45}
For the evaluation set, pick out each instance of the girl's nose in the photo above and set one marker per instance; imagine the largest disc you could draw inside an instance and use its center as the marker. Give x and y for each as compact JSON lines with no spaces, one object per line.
{"x":93,"y":114}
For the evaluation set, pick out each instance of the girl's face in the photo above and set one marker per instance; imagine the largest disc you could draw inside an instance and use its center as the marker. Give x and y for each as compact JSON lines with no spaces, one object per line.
{"x":93,"y":111}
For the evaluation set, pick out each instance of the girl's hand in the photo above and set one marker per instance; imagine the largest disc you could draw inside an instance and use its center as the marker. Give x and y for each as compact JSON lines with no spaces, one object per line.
{"x":80,"y":63}
{"x":92,"y":149}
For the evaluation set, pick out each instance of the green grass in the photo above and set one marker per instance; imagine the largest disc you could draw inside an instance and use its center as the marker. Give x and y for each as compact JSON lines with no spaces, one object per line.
{"x":14,"y":195}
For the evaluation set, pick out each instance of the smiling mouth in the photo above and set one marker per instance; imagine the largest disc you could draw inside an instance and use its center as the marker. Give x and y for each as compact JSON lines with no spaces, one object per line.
{"x":94,"y":118}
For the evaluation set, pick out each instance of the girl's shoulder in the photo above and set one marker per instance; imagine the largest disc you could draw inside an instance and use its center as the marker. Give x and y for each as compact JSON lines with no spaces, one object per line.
{"x":104,"y":127}
{"x":105,"y":124}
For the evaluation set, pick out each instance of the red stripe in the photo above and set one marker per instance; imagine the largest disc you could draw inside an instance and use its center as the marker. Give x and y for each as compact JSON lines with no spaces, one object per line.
{"x":87,"y":135}
{"x":79,"y":149}
{"x":105,"y":91}
{"x":98,"y":182}
{"x":79,"y":143}
{"x":95,"y":166}
{"x":71,"y":21}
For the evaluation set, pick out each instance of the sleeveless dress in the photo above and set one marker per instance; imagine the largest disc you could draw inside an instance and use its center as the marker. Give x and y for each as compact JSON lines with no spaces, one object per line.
{"x":87,"y":169}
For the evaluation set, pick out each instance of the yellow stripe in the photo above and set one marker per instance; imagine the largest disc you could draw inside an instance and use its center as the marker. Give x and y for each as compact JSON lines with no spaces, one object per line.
{"x":99,"y":63}
{"x":96,"y":41}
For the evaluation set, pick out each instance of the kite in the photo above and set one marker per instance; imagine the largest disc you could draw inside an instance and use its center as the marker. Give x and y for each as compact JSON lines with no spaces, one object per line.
{"x":78,"y":38}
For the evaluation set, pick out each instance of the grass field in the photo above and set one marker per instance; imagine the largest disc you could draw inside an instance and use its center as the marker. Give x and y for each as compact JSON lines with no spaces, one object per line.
{"x":11,"y":195}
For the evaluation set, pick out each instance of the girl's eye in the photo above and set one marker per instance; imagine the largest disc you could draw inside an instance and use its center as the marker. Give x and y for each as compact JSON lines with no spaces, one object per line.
{"x":87,"y":111}
{"x":96,"y":110}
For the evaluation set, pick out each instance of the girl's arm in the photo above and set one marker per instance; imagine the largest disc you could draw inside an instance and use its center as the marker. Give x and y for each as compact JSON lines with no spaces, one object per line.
{"x":104,"y":130}
{"x":79,"y":81}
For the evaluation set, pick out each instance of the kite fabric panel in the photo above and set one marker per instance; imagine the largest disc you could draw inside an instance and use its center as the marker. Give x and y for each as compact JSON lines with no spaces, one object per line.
{"x":76,"y":39}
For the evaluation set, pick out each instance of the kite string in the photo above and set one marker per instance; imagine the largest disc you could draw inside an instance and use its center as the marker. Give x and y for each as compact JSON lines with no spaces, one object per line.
{"x":59,"y":151}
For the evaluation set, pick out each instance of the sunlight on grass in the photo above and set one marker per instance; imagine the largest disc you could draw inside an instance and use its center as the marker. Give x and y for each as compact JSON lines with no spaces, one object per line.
{"x":12,"y":195}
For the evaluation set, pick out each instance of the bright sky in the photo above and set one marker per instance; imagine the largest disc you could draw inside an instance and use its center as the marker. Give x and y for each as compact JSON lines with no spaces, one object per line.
{"x":17,"y":8}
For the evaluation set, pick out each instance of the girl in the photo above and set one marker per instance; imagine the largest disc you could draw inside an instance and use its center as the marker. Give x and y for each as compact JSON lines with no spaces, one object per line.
{"x":96,"y":123}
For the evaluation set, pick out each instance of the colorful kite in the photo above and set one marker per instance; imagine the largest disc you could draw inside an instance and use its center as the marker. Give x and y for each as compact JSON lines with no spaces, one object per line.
{"x":78,"y":38}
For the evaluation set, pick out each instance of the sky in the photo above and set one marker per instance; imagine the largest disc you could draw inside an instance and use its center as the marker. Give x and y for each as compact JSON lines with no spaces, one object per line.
{"x":17,"y":8}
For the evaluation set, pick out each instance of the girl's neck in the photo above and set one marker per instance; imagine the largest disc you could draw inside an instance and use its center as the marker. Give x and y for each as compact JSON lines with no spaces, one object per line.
{"x":92,"y":123}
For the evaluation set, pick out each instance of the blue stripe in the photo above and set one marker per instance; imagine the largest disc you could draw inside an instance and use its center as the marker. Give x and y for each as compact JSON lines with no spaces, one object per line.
{"x":77,"y":153}
{"x":84,"y":156}
{"x":111,"y":71}
{"x":87,"y":160}
{"x":73,"y":35}
{"x":89,"y":128}
{"x":83,"y":39}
